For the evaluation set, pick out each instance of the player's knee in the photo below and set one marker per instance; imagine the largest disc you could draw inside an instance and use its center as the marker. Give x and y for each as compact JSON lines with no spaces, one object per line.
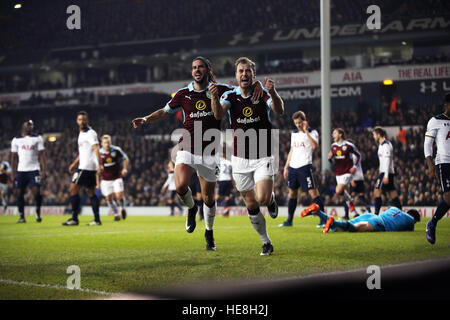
{"x":209,"y":200}
{"x":264,"y":199}
{"x":446,"y":198}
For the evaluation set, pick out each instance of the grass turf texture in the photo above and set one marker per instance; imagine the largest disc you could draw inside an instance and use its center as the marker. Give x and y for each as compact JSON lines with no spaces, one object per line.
{"x":156,"y":252}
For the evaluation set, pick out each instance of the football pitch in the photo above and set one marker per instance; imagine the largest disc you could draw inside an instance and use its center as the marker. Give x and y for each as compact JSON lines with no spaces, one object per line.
{"x":156,"y":253}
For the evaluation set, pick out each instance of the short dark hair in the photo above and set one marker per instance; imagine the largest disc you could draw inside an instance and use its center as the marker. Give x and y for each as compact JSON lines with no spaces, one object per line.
{"x":299,"y":114}
{"x":380,"y":131}
{"x":82,"y":113}
{"x":415,"y":214}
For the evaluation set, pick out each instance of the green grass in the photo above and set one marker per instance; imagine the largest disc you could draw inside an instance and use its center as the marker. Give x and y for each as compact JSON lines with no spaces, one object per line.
{"x":156,"y":252}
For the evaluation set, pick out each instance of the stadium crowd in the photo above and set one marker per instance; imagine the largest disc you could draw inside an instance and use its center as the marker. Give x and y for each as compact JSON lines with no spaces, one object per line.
{"x":123,"y":20}
{"x":148,"y":149}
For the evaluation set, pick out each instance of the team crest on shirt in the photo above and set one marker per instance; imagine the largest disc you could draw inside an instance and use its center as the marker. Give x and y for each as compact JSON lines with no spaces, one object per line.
{"x":113,"y":154}
{"x":344,"y":148}
{"x":247,"y":112}
{"x":200,"y":105}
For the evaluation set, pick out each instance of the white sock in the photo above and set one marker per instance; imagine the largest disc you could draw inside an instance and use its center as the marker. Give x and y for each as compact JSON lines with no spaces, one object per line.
{"x":112,"y":205}
{"x":209,"y":215}
{"x":187,"y":199}
{"x":347,"y":196}
{"x":259,"y":223}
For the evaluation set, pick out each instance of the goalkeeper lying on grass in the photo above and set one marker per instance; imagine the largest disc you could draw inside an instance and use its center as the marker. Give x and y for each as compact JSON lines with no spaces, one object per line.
{"x":393,"y":219}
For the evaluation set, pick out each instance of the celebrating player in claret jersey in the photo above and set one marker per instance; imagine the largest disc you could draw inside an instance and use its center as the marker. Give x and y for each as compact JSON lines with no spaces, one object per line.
{"x":5,"y":172}
{"x":195,"y":101}
{"x":89,"y":166}
{"x":115,"y":166}
{"x":253,"y":167}
{"x":28,"y":167}
{"x":341,"y":155}
{"x":385,"y":181}
{"x":438,"y":130}
{"x":298,"y":170}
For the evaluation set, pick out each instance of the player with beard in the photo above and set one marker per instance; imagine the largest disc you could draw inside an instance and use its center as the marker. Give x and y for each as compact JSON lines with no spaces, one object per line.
{"x":89,"y":166}
{"x":253,"y":167}
{"x":27,"y":161}
{"x":341,"y":154}
{"x":195,"y":101}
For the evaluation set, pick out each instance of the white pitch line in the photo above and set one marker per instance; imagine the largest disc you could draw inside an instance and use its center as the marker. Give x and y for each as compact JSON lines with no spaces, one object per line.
{"x":54,"y":286}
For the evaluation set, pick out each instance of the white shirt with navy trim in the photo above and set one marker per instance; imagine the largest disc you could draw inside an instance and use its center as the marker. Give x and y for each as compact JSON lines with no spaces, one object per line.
{"x":27,"y":148}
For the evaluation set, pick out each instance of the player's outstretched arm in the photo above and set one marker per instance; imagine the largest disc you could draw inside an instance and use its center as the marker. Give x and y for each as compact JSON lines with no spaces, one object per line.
{"x":218,"y":108}
{"x":277,"y":104}
{"x":156,"y":116}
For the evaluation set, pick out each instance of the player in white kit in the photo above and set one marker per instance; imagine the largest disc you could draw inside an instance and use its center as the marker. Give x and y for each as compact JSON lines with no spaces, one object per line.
{"x":172,"y":187}
{"x":357,"y":187}
{"x":27,"y":161}
{"x":385,"y":181}
{"x":438,"y":130}
{"x":298,"y":171}
{"x":88,"y":162}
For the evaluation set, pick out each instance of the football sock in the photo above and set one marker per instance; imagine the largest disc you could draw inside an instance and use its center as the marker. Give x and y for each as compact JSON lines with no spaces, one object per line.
{"x":345,"y":225}
{"x":346,"y":209}
{"x":396,"y":202}
{"x":259,"y":224}
{"x":347,"y":196}
{"x":210,"y":215}
{"x":319,"y":202}
{"x":364,"y":201}
{"x":199,"y":204}
{"x":38,"y":200}
{"x":21,"y":204}
{"x":441,"y":210}
{"x":112,"y":205}
{"x":377,"y":205}
{"x":75,"y":203}
{"x":95,"y":204}
{"x":187,"y":199}
{"x":292,"y":205}
{"x":120,"y":204}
